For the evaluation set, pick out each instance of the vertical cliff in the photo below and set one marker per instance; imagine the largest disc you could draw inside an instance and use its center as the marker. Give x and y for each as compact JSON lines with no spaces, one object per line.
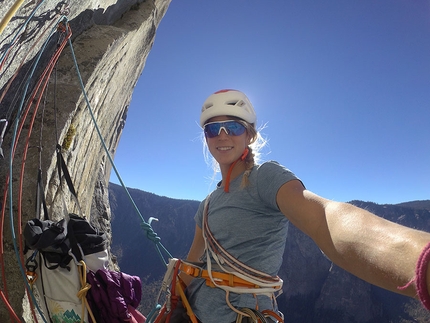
{"x":110,"y":43}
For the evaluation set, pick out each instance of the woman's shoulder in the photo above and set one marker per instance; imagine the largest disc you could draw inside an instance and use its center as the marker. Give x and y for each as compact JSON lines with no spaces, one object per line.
{"x":271,"y":165}
{"x":273,"y":169}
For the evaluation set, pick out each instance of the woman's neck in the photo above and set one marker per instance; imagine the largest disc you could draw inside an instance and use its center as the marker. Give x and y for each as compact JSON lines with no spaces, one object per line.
{"x":237,"y":170}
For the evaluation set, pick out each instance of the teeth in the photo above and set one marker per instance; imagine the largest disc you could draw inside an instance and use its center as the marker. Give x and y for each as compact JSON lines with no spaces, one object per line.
{"x":224,"y":148}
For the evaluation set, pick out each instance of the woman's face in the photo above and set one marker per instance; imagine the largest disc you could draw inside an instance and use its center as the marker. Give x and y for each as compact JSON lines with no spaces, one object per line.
{"x":226,"y":149}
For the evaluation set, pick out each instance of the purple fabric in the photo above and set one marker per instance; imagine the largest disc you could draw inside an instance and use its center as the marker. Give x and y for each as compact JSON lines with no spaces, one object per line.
{"x":111,"y":293}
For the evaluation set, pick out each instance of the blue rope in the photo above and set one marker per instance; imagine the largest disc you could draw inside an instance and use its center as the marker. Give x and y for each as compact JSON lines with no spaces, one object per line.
{"x":151,"y":235}
{"x":15,"y":131}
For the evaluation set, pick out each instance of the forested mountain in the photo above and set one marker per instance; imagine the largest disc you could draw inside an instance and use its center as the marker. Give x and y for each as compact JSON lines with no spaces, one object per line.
{"x":315,"y":290}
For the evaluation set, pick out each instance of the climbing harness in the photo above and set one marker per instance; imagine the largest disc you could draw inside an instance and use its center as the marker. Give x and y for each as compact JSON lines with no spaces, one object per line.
{"x":258,"y":283}
{"x":221,"y":278}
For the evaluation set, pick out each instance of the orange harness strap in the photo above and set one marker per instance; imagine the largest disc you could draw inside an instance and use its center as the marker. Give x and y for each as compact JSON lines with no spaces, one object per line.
{"x":220,"y":278}
{"x":181,"y":287}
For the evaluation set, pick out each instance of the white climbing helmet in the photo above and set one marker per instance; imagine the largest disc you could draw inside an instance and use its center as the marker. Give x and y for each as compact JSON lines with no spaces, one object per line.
{"x":228,"y":103}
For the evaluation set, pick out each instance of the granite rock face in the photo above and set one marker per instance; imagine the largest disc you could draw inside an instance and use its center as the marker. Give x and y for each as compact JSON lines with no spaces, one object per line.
{"x":111,"y":40}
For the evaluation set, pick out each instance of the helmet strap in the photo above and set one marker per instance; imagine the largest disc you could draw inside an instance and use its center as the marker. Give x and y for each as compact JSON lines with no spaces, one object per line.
{"x":227,"y":184}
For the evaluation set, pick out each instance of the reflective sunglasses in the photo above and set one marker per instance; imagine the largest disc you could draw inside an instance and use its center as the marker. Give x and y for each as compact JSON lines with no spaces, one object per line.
{"x":231,"y":127}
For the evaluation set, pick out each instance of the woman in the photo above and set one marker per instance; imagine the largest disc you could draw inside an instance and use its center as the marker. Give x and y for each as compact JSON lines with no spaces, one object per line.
{"x":241,"y":227}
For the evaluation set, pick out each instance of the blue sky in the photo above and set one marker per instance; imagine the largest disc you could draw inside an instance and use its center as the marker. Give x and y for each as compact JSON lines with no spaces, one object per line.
{"x":342,"y":86}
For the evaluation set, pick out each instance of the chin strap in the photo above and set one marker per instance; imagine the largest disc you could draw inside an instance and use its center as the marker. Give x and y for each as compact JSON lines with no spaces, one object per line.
{"x":227,"y":184}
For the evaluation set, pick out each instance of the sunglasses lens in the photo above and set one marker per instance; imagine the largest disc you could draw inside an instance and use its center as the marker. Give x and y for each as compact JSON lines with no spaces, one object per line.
{"x":233,"y":128}
{"x":212,"y":129}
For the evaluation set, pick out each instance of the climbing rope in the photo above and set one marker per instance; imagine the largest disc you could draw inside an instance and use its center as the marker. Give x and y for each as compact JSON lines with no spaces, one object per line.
{"x":146,"y":226}
{"x":18,"y":125}
{"x":82,"y":294}
{"x":42,"y":85}
{"x":9,"y":307}
{"x":151,"y":235}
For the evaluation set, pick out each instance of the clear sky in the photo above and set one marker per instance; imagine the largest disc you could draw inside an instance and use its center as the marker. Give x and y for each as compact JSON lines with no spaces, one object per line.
{"x":342,"y":86}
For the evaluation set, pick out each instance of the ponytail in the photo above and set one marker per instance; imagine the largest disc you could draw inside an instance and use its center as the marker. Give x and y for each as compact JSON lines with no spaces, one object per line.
{"x":249,"y":164}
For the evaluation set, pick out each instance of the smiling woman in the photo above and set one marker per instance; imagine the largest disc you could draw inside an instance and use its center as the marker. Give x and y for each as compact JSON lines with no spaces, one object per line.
{"x":231,"y":271}
{"x":344,"y":86}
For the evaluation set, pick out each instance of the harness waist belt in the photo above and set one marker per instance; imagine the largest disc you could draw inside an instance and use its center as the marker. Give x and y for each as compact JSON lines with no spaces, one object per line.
{"x":219,"y":277}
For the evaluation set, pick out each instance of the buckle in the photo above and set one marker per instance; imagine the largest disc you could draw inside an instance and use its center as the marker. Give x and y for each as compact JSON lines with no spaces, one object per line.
{"x":191,"y":270}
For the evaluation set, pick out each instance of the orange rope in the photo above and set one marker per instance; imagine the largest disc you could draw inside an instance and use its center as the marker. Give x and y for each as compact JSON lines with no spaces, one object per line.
{"x":9,"y":308}
{"x":227,"y":184}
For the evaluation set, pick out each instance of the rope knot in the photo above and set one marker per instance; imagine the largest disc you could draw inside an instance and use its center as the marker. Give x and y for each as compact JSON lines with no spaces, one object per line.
{"x":83,"y":291}
{"x":150,"y":232}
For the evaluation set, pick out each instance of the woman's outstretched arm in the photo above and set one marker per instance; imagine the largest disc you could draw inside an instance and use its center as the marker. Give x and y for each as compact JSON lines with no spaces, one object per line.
{"x":379,"y":251}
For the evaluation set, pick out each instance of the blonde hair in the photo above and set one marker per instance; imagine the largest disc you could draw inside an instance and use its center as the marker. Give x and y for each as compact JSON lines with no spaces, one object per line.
{"x":257,"y":142}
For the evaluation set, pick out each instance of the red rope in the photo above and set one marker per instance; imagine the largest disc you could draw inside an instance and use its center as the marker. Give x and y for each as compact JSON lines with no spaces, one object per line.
{"x":44,"y":77}
{"x":42,"y":86}
{"x":9,"y":308}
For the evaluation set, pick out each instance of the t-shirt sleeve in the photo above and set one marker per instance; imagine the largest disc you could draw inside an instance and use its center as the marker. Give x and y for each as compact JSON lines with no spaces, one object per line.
{"x":270,"y":177}
{"x":198,"y":217}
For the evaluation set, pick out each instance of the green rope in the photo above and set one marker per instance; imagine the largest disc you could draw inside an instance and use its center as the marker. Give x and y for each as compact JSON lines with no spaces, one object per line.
{"x":151,"y":235}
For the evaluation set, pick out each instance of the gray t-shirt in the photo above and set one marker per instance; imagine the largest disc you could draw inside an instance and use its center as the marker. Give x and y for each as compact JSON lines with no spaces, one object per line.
{"x":248,"y":224}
